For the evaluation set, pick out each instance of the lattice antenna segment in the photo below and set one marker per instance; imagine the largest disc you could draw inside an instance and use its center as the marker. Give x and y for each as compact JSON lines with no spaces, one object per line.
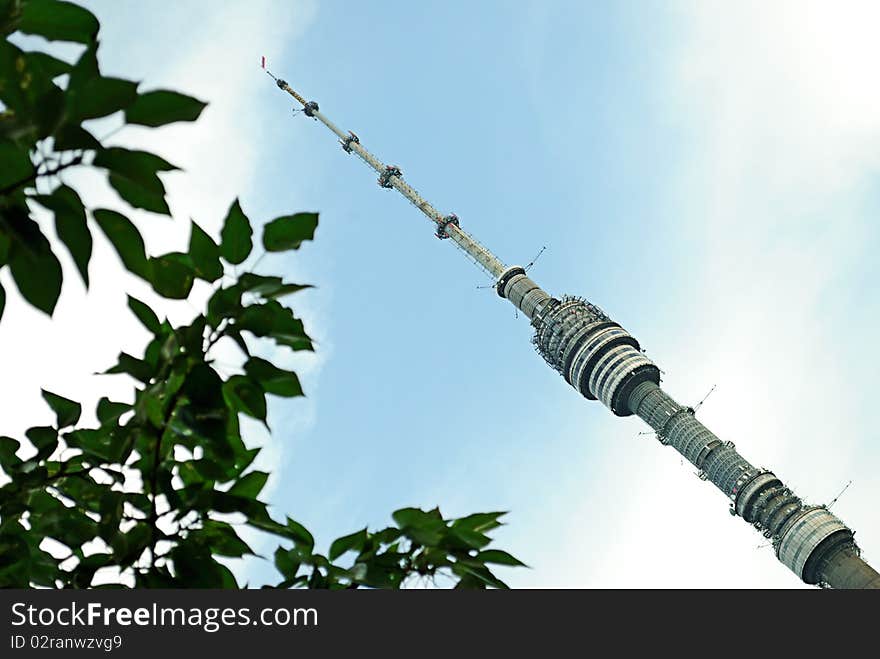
{"x":390,"y":176}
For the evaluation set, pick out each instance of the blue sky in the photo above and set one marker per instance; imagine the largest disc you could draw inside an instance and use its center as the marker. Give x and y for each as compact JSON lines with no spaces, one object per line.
{"x":704,"y":172}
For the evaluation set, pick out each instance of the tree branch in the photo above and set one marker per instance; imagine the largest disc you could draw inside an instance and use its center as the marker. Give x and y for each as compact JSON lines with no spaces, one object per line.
{"x":12,"y":187}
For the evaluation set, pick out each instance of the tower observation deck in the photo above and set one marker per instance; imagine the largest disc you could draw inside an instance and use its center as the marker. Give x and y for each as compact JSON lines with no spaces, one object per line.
{"x":604,"y":362}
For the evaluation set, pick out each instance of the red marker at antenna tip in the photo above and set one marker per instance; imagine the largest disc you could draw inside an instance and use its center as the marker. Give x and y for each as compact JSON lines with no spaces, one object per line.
{"x":263,"y":62}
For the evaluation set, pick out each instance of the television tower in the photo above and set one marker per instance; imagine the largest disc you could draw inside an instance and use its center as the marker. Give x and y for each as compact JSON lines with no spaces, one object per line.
{"x":603,"y":361}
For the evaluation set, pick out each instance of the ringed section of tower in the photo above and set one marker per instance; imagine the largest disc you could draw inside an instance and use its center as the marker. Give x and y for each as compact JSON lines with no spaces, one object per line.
{"x":604,"y":362}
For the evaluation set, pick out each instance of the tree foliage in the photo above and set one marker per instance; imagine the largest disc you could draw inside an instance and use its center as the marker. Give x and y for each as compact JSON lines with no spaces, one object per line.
{"x":162,"y":486}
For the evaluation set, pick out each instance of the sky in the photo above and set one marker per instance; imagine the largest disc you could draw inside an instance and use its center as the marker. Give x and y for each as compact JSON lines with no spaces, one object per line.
{"x":703,"y":171}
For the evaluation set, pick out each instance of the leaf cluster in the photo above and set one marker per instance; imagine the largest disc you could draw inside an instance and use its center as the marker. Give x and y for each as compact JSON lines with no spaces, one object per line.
{"x":47,"y":106}
{"x":180,"y":438}
{"x":423,"y":548}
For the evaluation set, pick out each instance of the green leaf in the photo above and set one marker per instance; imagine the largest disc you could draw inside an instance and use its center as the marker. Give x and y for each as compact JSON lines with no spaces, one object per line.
{"x":89,"y":95}
{"x":138,"y":196}
{"x":286,"y":289}
{"x":206,"y":415}
{"x":109,"y":410}
{"x":18,"y":99}
{"x":300,"y":535}
{"x":222,"y":539}
{"x":161,"y":107}
{"x":134,"y":175}
{"x":58,"y":21}
{"x":352,"y":542}
{"x":288,"y":232}
{"x":4,"y":246}
{"x":250,"y":485}
{"x":274,"y":320}
{"x":204,"y":254}
{"x":259,"y":284}
{"x":52,"y":518}
{"x":471,"y":539}
{"x":268,"y":287}
{"x":49,"y":112}
{"x":34,"y":104}
{"x":8,"y":459}
{"x":191,"y":337}
{"x":171,"y":276}
{"x":100,"y":97}
{"x":416,"y":518}
{"x":274,"y":380}
{"x":85,"y":69}
{"x":71,"y":226}
{"x":195,"y":568}
{"x":50,"y":67}
{"x":225,"y":302}
{"x":498,"y":557}
{"x":45,"y":440}
{"x":97,"y":444}
{"x":476,"y":576}
{"x":73,"y":137}
{"x":15,"y":164}
{"x":426,"y":528}
{"x":144,"y":314}
{"x":387,"y":535}
{"x":235,"y":237}
{"x":67,"y":412}
{"x":137,"y":368}
{"x":130,"y":545}
{"x":479,"y":522}
{"x":36,"y":271}
{"x":126,"y":239}
{"x":287,"y":561}
{"x":244,"y":395}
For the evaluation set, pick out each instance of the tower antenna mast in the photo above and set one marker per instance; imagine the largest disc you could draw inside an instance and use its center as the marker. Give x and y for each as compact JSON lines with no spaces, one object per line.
{"x":604,"y":362}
